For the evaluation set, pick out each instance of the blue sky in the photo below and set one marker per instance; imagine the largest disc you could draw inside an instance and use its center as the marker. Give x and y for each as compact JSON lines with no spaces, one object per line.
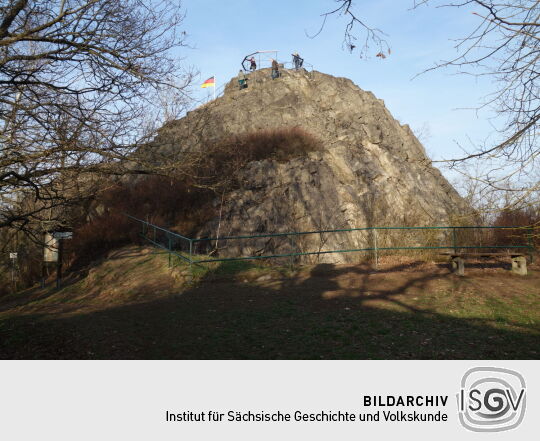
{"x":222,"y":32}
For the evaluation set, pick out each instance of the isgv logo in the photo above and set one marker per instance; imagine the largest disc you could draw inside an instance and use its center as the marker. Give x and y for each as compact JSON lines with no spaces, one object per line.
{"x":491,"y":399}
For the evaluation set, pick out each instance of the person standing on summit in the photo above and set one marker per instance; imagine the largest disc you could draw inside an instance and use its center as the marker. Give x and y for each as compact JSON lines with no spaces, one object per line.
{"x":242,"y":80}
{"x":253,"y":64}
{"x":275,"y":69}
{"x":297,"y":61}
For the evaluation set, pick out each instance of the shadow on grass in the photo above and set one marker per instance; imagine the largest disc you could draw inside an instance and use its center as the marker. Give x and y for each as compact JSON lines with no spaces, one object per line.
{"x":311,"y":317}
{"x":212,"y":272}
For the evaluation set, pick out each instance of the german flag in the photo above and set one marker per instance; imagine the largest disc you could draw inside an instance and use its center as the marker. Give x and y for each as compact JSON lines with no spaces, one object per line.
{"x":210,"y":82}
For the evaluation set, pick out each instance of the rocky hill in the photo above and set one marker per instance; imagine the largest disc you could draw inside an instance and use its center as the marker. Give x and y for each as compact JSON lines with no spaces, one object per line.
{"x":370,"y":170}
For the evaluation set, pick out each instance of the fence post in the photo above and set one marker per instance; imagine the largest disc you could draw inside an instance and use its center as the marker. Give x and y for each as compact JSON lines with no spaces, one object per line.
{"x":530,"y":243}
{"x":190,"y":261}
{"x":376,"y":248}
{"x":293,"y":248}
{"x":169,"y":248}
{"x":454,"y":240}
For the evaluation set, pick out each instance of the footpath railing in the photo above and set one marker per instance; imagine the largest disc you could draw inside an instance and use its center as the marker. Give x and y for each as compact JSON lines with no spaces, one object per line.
{"x":375,"y":240}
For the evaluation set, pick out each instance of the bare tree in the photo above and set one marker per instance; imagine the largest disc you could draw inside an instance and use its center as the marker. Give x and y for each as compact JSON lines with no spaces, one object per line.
{"x":79,"y":81}
{"x":504,"y":45}
{"x":362,"y":45}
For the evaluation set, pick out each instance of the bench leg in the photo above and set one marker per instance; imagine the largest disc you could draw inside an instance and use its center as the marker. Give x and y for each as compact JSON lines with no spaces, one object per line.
{"x":519,"y":265}
{"x":458,"y":266}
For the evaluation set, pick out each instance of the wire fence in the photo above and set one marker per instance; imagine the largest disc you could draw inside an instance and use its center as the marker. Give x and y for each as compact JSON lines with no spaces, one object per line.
{"x":374,"y":241}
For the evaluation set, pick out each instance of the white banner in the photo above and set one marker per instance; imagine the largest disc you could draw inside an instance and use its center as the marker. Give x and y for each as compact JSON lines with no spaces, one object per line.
{"x":281,"y":400}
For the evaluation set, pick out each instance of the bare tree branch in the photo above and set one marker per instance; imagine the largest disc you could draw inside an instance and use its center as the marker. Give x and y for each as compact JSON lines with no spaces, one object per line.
{"x":79,"y":82}
{"x":372,"y":35}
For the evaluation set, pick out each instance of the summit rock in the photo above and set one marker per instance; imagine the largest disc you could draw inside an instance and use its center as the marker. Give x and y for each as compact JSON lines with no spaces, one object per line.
{"x":370,"y":170}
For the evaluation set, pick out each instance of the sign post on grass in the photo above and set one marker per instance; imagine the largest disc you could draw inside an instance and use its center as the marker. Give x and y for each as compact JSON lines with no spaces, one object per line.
{"x":54,"y":248}
{"x":13,"y":258}
{"x":61,"y":236}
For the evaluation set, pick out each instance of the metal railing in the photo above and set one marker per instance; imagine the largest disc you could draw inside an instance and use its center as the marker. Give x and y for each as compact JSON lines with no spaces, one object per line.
{"x":194,"y":251}
{"x":290,"y":66}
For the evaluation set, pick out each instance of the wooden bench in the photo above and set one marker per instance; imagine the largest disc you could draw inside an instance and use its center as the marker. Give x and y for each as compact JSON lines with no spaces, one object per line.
{"x":519,"y":261}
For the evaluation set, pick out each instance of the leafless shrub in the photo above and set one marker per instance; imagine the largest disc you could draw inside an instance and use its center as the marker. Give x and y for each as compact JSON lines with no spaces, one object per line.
{"x":183,"y":203}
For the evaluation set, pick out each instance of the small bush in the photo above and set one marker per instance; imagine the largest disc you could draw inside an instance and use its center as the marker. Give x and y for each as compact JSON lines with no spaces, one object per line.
{"x":217,"y":165}
{"x":159,"y":200}
{"x":528,"y":217}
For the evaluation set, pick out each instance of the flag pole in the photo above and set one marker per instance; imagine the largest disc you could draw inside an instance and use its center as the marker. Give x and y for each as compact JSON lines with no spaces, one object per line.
{"x":214,"y":86}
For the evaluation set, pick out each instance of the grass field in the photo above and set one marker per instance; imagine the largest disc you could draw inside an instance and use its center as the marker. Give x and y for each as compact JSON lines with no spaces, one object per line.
{"x":133,"y":306}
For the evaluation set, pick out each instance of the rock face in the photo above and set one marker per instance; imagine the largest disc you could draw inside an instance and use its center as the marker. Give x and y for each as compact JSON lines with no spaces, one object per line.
{"x":371,"y":170}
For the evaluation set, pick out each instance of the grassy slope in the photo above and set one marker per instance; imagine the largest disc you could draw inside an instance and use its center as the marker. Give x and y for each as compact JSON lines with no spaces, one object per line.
{"x":133,"y":306}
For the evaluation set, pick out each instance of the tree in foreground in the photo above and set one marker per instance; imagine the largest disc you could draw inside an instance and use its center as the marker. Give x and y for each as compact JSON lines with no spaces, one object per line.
{"x":505,"y":45}
{"x":79,"y":80}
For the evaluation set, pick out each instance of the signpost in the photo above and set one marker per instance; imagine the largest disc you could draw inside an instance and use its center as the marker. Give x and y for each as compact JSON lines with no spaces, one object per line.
{"x":63,"y":234}
{"x":13,"y":257}
{"x":60,"y":236}
{"x":54,"y":248}
{"x":50,"y":253}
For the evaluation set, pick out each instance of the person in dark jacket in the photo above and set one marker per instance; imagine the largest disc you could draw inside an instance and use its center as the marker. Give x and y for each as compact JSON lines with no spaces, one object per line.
{"x":253,"y":64}
{"x":275,"y":69}
{"x":297,"y":61}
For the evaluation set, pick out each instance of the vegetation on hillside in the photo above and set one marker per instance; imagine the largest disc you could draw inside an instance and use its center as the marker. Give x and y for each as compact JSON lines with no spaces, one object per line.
{"x":185,"y":200}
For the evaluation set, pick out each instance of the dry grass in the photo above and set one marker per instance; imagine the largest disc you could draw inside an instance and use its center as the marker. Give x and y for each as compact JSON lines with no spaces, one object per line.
{"x":133,"y":306}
